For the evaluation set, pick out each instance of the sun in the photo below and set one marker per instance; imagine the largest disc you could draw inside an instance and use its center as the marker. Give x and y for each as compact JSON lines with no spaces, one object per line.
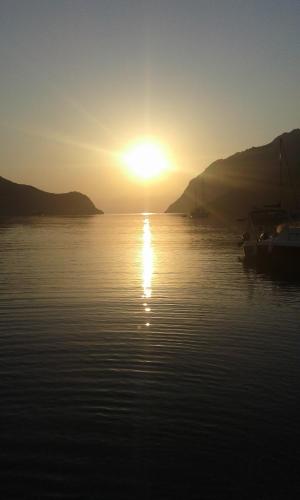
{"x":146,"y":160}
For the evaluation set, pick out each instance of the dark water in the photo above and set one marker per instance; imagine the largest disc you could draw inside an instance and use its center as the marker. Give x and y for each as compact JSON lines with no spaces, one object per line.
{"x":140,"y":360}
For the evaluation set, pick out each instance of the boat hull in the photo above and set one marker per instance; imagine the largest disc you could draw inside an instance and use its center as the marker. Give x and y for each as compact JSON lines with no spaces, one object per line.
{"x":279,"y":257}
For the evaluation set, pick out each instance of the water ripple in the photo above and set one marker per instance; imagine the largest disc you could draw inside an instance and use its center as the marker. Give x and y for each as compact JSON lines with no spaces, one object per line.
{"x":135,"y":348}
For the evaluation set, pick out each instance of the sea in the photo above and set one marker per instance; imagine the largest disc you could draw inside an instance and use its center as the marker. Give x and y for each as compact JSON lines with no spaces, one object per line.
{"x":141,"y":359}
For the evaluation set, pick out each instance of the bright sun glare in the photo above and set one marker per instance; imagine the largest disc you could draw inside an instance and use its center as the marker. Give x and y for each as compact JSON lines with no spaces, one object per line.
{"x":146,"y":160}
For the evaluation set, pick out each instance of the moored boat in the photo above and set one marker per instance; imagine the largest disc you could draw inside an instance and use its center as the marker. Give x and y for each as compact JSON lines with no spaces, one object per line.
{"x":275,"y":243}
{"x":272,"y":238}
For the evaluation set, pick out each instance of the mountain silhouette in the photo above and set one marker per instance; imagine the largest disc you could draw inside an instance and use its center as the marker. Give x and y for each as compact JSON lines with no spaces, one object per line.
{"x":230,"y":187}
{"x":19,"y":199}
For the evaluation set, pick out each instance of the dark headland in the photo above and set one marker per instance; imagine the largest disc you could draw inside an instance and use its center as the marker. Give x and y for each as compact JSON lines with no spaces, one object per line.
{"x":230,"y":187}
{"x":21,"y":200}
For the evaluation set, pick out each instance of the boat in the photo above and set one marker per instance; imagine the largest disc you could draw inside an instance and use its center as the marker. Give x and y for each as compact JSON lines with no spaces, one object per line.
{"x":199,"y":210}
{"x":272,"y":238}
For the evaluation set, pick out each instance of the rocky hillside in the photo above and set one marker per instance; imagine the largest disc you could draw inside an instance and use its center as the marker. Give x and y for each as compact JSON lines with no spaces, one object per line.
{"x":229,"y":188}
{"x":19,"y":199}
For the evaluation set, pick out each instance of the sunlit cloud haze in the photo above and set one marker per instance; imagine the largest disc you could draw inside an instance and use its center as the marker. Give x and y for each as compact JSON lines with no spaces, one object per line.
{"x":82,"y":79}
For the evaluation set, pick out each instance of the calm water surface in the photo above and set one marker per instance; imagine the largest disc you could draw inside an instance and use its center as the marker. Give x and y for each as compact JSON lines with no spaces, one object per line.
{"x":140,"y":360}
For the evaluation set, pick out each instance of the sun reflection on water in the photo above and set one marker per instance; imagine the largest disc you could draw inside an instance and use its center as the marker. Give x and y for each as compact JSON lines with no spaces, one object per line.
{"x":147,"y":263}
{"x":147,"y":260}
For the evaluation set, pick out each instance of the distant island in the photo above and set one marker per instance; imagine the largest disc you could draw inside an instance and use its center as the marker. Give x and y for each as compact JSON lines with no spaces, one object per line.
{"x":229,"y":188}
{"x":22,"y":200}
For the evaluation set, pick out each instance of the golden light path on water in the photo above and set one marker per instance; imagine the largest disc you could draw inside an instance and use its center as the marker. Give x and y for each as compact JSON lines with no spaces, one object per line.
{"x":147,"y":263}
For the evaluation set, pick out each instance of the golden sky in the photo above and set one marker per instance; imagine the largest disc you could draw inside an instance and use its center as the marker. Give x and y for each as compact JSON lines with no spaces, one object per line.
{"x":82,"y":80}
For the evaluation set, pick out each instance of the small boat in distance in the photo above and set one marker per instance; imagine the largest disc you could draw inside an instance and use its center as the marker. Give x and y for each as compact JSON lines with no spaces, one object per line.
{"x":199,"y":210}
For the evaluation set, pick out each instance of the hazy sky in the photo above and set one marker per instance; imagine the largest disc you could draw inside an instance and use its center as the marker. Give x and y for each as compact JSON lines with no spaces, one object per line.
{"x":80,"y":79}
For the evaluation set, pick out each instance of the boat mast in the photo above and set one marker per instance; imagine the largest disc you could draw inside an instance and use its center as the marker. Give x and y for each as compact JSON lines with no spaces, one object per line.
{"x":280,"y":173}
{"x":202,"y":193}
{"x":291,"y":191}
{"x":196,"y":197}
{"x":198,"y":190}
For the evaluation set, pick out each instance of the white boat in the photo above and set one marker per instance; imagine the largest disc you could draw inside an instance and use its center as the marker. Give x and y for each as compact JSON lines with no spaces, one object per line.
{"x":272,"y":239}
